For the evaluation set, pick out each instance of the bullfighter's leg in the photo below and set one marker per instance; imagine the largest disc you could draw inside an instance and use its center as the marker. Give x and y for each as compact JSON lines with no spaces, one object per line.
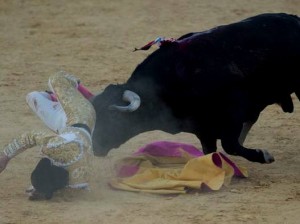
{"x":231,"y":145}
{"x":62,"y":84}
{"x":66,"y":149}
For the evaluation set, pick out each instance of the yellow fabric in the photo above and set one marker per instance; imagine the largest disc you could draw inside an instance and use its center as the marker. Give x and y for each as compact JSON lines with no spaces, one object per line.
{"x":158,"y":175}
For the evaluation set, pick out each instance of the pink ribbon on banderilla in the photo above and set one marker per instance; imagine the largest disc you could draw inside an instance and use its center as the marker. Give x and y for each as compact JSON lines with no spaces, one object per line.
{"x":160,"y":41}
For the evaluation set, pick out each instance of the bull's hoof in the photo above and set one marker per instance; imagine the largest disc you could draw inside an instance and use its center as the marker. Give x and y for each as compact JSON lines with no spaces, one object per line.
{"x":267,"y":156}
{"x":36,"y":196}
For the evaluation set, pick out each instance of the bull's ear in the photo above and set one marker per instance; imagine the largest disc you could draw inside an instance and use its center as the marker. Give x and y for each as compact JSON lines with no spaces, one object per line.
{"x":133,"y":99}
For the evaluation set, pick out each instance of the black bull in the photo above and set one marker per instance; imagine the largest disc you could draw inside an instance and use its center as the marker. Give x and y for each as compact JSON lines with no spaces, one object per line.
{"x":213,"y":84}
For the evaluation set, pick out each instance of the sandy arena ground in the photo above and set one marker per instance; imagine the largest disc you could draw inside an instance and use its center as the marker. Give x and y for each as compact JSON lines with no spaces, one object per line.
{"x":94,"y":39}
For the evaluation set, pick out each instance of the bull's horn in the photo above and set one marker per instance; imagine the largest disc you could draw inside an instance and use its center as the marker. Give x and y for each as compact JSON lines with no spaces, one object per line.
{"x":132,"y":98}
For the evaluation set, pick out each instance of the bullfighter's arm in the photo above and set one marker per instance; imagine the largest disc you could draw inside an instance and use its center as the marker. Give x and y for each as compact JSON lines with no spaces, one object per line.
{"x":21,"y":143}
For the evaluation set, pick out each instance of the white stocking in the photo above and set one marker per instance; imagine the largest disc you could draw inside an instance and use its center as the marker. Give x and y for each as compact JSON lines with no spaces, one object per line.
{"x":50,"y":112}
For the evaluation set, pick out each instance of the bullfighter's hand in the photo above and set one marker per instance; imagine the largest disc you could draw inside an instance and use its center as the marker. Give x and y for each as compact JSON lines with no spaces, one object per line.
{"x":3,"y":161}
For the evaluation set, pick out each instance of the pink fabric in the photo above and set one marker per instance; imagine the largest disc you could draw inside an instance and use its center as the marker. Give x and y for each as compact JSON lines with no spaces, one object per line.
{"x":160,"y":41}
{"x":81,"y":88}
{"x":84,"y":91}
{"x":174,"y":149}
{"x":168,"y":149}
{"x":53,"y":97}
{"x":127,"y":170}
{"x":237,"y":171}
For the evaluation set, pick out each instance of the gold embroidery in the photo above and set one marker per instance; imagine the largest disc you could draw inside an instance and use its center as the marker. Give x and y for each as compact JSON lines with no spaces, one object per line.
{"x":72,"y":148}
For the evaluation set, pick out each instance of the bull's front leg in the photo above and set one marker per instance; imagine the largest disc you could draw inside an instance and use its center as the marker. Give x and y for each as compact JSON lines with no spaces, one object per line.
{"x":246,"y":128}
{"x":231,"y":145}
{"x":208,"y":142}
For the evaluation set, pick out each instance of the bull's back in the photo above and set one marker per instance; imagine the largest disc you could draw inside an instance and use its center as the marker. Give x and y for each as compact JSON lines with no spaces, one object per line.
{"x":263,"y":49}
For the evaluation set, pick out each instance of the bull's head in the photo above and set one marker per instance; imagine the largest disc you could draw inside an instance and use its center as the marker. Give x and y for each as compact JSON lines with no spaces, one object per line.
{"x":119,"y":114}
{"x":123,"y":113}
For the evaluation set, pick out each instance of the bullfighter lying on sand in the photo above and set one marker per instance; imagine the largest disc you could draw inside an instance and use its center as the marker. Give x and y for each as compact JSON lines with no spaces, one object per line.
{"x":67,"y":154}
